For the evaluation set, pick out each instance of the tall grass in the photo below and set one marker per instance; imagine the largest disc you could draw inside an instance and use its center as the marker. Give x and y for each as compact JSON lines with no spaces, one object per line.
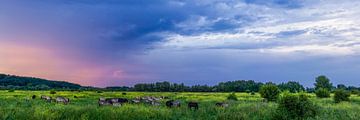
{"x":18,"y":105}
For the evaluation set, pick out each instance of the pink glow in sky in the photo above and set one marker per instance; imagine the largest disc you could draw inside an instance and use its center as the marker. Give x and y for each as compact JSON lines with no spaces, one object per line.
{"x":124,"y":42}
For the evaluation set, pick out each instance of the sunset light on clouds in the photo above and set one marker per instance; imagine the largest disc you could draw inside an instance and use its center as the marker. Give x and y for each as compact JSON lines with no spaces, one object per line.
{"x":124,"y":42}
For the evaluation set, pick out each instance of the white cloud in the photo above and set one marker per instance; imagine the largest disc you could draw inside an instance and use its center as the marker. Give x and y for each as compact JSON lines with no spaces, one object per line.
{"x":320,"y":28}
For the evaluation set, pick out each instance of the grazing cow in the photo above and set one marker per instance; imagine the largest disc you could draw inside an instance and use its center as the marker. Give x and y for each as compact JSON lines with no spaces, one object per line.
{"x":112,"y":101}
{"x":149,"y":100}
{"x":103,"y":101}
{"x":194,"y":105}
{"x":33,"y":97}
{"x":136,"y":101}
{"x":173,"y":103}
{"x":154,"y":103}
{"x":222,"y":104}
{"x":46,"y":98}
{"x":62,"y":100}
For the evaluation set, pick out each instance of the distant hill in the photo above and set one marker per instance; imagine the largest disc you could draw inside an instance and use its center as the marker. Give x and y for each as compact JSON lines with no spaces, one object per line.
{"x":31,"y":83}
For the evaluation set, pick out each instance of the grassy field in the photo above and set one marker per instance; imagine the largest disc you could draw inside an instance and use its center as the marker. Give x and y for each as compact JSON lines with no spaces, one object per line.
{"x":18,"y":105}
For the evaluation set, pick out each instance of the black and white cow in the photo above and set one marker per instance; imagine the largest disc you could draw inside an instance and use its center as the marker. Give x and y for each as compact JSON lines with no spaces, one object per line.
{"x":173,"y":103}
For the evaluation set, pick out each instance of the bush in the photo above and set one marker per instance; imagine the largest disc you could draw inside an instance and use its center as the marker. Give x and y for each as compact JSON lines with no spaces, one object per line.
{"x":11,"y":91}
{"x":52,"y":92}
{"x":252,"y":93}
{"x":355,"y":92}
{"x":295,"y":107}
{"x":322,"y":93}
{"x":341,"y":95}
{"x":232,"y":96}
{"x":99,"y":91}
{"x":270,"y":92}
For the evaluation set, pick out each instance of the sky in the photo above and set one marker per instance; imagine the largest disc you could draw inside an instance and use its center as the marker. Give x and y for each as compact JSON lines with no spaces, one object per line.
{"x":124,"y":42}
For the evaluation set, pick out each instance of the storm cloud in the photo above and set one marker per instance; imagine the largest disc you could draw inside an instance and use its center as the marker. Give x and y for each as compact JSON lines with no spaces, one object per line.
{"x":123,"y":42}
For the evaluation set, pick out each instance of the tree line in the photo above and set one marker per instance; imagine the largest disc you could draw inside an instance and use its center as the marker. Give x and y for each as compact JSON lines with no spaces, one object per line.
{"x":234,"y":86}
{"x":31,"y":83}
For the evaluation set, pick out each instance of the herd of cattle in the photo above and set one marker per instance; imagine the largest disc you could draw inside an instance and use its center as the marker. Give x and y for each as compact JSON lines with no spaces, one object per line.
{"x":120,"y":101}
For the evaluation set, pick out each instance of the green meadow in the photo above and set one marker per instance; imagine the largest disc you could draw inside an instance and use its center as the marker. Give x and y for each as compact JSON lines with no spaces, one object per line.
{"x":18,"y":105}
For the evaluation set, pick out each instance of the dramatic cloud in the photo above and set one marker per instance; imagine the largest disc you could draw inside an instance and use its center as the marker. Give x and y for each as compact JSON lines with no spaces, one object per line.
{"x":123,"y":42}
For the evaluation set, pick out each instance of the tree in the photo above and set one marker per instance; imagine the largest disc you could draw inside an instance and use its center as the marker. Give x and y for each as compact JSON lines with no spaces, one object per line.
{"x":341,"y":86}
{"x":291,"y":86}
{"x":323,"y":82}
{"x":238,"y":86}
{"x":270,"y":92}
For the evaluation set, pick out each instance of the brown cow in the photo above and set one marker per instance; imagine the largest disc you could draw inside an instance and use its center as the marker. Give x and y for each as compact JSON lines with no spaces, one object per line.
{"x":33,"y":97}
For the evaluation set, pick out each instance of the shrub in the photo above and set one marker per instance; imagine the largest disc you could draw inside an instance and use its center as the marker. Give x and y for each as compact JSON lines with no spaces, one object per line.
{"x":11,"y":90}
{"x":322,"y":93}
{"x":295,"y":107}
{"x":99,"y":91}
{"x":355,"y":92}
{"x":232,"y":96}
{"x":341,"y":95}
{"x":230,"y":116}
{"x":270,"y":92}
{"x":52,"y":92}
{"x":252,"y":93}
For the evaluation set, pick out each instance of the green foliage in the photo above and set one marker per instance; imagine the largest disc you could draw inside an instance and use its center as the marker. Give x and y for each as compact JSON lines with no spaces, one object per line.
{"x":239,"y":86}
{"x":341,"y":95}
{"x":52,"y":92}
{"x":14,"y":106}
{"x":295,"y":107}
{"x":291,"y":86}
{"x":270,"y":92}
{"x":323,"y":82}
{"x":310,"y":90}
{"x":11,"y":90}
{"x":99,"y":91}
{"x":322,"y":93}
{"x":341,"y":86}
{"x":232,"y":96}
{"x":355,"y":92}
{"x":30,"y":83}
{"x":252,"y":93}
